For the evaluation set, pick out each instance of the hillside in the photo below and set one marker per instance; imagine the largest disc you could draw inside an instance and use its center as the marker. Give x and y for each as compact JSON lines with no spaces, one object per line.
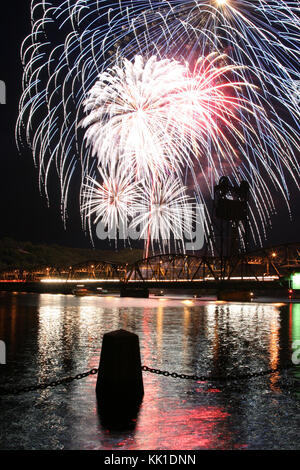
{"x":25,"y":255}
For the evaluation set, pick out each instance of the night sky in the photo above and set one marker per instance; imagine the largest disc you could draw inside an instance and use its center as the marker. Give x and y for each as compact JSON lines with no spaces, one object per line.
{"x":24,"y":213}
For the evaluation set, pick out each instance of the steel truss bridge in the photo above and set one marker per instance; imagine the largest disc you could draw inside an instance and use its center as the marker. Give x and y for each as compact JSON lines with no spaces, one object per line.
{"x":261,"y":266}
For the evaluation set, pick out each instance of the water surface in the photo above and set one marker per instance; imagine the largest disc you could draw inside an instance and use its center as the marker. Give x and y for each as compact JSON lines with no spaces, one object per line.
{"x":55,"y":336}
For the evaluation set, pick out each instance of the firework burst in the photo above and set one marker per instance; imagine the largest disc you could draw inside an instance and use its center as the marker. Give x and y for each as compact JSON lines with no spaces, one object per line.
{"x":165,"y":211}
{"x":161,"y":117}
{"x":113,"y":201}
{"x":156,"y":115}
{"x":121,"y":84}
{"x":130,"y":116}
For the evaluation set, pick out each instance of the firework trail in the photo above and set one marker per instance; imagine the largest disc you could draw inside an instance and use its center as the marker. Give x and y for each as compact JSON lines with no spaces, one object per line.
{"x":62,"y":58}
{"x":247,"y":127}
{"x":261,"y":34}
{"x":164,"y":209}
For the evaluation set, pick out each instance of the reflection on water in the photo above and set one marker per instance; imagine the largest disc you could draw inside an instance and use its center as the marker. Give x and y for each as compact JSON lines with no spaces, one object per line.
{"x":52,"y":336}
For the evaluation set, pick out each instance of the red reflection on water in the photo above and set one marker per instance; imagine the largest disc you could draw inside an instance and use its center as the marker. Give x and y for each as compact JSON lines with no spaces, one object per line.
{"x":165,"y":423}
{"x":291,"y":323}
{"x":182,"y":428}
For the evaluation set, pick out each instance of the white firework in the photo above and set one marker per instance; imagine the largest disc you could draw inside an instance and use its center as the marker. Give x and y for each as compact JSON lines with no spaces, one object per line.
{"x":165,"y":211}
{"x":113,"y":201}
{"x":74,"y":42}
{"x":155,"y":115}
{"x":131,"y":116}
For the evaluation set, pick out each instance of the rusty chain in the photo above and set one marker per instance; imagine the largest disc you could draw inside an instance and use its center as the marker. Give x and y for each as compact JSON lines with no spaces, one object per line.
{"x":44,"y":386}
{"x":211,"y":378}
{"x":174,"y":375}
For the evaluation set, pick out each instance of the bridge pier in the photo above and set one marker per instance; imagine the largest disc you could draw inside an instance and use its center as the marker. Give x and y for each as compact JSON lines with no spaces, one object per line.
{"x":141,"y":293}
{"x":235,"y":295}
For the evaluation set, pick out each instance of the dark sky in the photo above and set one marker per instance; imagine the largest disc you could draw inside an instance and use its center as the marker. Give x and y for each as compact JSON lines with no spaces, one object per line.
{"x":24,"y":213}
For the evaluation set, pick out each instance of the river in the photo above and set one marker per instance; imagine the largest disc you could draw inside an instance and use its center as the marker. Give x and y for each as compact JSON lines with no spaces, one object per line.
{"x":54,"y":336}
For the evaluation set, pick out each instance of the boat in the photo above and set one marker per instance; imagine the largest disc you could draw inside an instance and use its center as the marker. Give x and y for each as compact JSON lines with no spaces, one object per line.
{"x":80,"y":291}
{"x":159,"y":294}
